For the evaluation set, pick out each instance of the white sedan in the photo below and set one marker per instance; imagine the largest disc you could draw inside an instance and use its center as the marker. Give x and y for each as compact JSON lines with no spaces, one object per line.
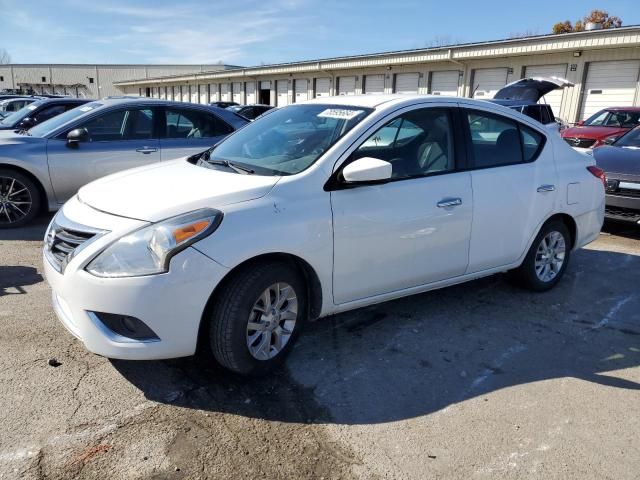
{"x":314,"y":209}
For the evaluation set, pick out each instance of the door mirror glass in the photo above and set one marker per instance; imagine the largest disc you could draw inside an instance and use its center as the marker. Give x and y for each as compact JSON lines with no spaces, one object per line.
{"x":580,"y":123}
{"x":367,"y":169}
{"x":76,"y":136}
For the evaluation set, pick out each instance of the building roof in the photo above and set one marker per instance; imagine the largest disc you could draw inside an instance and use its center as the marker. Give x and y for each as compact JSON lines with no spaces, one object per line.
{"x":537,"y":44}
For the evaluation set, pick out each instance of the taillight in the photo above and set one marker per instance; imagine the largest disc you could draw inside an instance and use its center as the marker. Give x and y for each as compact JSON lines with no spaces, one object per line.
{"x":598,"y":172}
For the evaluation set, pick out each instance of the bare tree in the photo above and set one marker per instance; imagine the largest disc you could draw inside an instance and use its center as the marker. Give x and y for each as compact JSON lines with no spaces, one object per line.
{"x":4,"y":57}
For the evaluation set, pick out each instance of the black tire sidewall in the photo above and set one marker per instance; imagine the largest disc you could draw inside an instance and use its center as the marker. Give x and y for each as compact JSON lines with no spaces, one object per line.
{"x":227,"y":333}
{"x":35,"y":198}
{"x":527,"y":272}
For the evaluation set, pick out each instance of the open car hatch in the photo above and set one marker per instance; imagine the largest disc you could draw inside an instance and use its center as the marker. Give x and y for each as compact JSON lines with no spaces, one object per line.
{"x":531,"y":89}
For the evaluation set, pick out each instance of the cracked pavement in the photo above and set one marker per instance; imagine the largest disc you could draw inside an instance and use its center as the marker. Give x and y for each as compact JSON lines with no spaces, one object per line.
{"x":480,"y":381}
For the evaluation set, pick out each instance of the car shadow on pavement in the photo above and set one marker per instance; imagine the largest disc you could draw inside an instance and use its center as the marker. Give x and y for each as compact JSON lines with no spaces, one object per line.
{"x":622,"y":229}
{"x":13,"y":279}
{"x":421,"y":354}
{"x":34,"y":231}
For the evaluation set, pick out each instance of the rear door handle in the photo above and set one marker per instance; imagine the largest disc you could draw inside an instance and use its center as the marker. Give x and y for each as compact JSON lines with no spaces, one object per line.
{"x":546,"y":188}
{"x":146,"y":150}
{"x":449,"y":202}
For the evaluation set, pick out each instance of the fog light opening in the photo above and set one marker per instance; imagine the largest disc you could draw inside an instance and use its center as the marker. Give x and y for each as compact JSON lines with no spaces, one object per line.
{"x":125,"y":327}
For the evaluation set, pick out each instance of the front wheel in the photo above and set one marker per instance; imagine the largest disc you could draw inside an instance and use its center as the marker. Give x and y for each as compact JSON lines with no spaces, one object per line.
{"x":546,"y":260}
{"x":257,"y":316}
{"x":19,"y":199}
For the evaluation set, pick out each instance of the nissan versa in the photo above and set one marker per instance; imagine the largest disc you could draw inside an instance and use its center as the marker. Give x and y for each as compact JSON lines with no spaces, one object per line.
{"x":314,"y":209}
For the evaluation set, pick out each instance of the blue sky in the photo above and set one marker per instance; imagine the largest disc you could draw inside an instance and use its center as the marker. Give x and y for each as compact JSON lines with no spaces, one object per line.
{"x":251,"y":32}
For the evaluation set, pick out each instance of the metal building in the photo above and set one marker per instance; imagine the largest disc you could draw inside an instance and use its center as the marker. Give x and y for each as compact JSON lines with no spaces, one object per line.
{"x":86,"y":81}
{"x":603,"y":64}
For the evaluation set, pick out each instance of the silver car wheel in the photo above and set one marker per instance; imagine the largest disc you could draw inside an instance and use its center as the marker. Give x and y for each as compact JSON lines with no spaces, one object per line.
{"x":550,"y":256}
{"x":271,"y":321}
{"x":15,"y":200}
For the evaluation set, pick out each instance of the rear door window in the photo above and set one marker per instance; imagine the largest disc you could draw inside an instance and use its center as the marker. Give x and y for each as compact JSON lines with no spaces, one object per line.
{"x":187,"y":123}
{"x":496,"y":141}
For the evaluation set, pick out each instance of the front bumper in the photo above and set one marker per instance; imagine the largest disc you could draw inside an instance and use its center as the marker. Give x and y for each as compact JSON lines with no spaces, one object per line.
{"x":171,"y":304}
{"x":621,"y":208}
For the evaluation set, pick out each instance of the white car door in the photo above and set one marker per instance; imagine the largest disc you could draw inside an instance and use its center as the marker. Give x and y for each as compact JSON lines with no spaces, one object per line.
{"x":514,"y":181}
{"x":412,"y":230}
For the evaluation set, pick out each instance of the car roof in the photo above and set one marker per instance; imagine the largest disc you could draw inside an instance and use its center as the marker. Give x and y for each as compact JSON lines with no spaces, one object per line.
{"x":47,"y":101}
{"x":622,"y":109}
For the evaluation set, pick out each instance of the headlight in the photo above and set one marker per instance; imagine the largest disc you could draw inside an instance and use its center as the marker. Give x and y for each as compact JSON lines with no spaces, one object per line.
{"x":148,"y":251}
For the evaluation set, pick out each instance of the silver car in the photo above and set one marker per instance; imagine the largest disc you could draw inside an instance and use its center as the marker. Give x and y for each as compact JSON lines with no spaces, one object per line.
{"x":46,"y":165}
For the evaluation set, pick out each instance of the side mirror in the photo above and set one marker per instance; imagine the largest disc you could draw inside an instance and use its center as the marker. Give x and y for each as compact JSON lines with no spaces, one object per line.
{"x":580,"y":123}
{"x":367,"y":169}
{"x":26,"y":123}
{"x":74,"y":137}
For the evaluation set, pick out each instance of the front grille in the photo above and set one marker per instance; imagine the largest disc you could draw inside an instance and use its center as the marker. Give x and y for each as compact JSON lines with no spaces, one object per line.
{"x":61,"y":241}
{"x":626,"y":192}
{"x":579,"y":142}
{"x":619,"y":213}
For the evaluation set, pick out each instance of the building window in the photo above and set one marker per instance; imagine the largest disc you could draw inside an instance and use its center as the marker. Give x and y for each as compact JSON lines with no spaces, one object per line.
{"x":1,"y":78}
{"x":44,"y":79}
{"x":90,"y":79}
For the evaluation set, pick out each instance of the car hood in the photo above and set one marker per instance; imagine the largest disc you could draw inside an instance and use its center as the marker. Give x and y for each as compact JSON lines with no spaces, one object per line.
{"x":618,"y":159}
{"x":531,"y":89}
{"x":592,"y":132}
{"x":9,"y":137}
{"x":163,"y":190}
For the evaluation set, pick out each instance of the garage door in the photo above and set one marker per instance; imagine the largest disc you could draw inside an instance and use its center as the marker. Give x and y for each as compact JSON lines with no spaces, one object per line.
{"x":373,"y":84}
{"x":237,"y":92}
{"x":407,"y":83}
{"x":346,"y":85}
{"x":204,"y":94}
{"x":487,"y":81}
{"x":163,"y":93}
{"x":195,"y":94}
{"x":224,"y":92}
{"x":282,"y":93}
{"x":323,"y":87}
{"x":301,"y":87}
{"x":553,"y":98}
{"x":610,"y":84}
{"x":186,"y":97}
{"x":445,"y":83}
{"x":213,"y":93}
{"x":251,"y":92}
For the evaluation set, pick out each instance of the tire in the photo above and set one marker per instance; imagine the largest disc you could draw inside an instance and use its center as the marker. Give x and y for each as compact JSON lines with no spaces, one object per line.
{"x":242,"y":299}
{"x":19,"y":199}
{"x":533,"y":277}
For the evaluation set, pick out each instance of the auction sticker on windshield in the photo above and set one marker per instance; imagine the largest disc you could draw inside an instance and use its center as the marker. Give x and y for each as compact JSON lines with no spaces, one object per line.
{"x":340,"y":113}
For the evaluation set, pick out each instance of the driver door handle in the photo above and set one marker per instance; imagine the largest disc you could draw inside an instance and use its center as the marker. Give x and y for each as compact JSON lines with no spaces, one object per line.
{"x":449,"y":202}
{"x":546,"y":188}
{"x":146,"y":150}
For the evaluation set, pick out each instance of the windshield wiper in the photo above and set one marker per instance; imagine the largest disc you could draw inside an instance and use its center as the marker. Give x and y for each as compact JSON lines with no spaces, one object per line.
{"x":232,"y":166}
{"x":23,"y":131}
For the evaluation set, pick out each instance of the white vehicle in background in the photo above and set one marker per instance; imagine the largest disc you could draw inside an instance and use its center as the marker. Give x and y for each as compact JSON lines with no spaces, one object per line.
{"x":314,"y":209}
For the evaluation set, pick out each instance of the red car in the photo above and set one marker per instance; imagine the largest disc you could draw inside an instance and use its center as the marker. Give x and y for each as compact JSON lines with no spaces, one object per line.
{"x":602,"y":128}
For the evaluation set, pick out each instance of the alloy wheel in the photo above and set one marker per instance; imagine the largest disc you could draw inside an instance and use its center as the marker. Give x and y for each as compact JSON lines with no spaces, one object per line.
{"x":272,"y":320}
{"x":550,"y":256}
{"x":15,"y":200}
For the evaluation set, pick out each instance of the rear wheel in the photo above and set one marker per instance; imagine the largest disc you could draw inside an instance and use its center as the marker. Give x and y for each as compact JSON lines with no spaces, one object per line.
{"x":257,"y":316}
{"x":19,"y":199}
{"x":547,"y":258}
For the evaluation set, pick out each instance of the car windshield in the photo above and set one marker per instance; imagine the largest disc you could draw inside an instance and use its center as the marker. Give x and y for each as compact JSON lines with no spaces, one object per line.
{"x":289,"y":140}
{"x":630,"y":139}
{"x":614,"y":118}
{"x":53,"y":123}
{"x":15,"y":117}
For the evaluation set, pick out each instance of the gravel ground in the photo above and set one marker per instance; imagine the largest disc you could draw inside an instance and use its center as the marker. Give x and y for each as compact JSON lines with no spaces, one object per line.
{"x":477,"y":381}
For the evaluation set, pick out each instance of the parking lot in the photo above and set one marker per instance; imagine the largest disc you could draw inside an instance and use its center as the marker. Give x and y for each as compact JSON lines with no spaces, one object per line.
{"x":480,"y":380}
